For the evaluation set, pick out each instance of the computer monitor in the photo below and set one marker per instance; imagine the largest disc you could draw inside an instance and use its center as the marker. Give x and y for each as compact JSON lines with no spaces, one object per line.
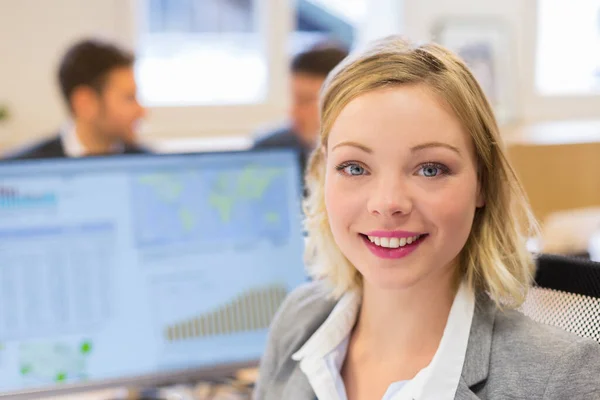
{"x":142,"y":269}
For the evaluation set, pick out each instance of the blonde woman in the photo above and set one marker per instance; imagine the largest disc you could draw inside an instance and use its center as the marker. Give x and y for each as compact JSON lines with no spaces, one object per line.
{"x":416,"y":245}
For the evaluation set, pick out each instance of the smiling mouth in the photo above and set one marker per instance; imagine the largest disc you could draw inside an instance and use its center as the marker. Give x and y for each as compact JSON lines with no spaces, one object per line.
{"x":393,"y":242}
{"x":393,"y":247}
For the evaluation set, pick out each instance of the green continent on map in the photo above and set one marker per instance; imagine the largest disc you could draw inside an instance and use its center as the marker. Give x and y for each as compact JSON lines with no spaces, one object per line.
{"x":253,"y":181}
{"x":167,"y":187}
{"x":223,"y":204}
{"x":188,"y":219}
{"x":250,"y":184}
{"x":272,"y":217}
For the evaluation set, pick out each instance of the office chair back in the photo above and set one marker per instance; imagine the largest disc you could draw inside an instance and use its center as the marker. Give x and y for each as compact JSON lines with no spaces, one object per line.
{"x":566,"y":294}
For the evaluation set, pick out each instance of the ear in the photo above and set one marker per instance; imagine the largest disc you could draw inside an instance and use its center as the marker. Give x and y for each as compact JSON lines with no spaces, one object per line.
{"x":85,"y":102}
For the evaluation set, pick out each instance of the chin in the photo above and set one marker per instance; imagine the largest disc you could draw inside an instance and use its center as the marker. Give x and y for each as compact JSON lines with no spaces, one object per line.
{"x":393,"y":274}
{"x":129,"y":137}
{"x":398,"y":280}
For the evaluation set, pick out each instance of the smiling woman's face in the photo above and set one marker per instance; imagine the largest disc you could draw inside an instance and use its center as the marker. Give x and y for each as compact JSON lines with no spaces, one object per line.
{"x":401,"y":186}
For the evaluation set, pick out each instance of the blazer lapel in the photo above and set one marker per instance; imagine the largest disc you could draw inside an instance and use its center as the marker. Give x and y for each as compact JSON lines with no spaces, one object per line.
{"x":477,"y":360}
{"x":463,"y":392}
{"x":475,"y":370}
{"x":297,"y":387}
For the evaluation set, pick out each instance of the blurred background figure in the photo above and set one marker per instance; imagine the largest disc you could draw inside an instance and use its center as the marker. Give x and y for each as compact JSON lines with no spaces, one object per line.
{"x":97,"y":83}
{"x":308,"y":72}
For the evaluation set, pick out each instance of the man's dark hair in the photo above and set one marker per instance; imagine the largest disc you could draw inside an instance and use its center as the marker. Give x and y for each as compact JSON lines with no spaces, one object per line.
{"x":88,"y":63}
{"x":319,"y":60}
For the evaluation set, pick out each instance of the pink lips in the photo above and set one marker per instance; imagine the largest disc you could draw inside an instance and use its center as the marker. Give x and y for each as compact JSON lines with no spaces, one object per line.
{"x":388,"y":253}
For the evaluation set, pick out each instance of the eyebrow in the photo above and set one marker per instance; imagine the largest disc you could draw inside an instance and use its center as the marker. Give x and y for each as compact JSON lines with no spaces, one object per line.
{"x":353,"y":144}
{"x":413,"y":149}
{"x":429,"y":145}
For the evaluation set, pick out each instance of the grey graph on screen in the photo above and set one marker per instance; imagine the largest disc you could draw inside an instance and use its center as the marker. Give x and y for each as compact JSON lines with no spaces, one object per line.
{"x":250,"y":311}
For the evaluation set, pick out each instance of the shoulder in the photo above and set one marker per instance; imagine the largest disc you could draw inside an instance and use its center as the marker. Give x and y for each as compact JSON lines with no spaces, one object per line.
{"x":48,"y":147}
{"x":282,"y":136}
{"x":137,"y":149}
{"x":542,"y":358}
{"x":514,"y":329}
{"x":301,"y":314}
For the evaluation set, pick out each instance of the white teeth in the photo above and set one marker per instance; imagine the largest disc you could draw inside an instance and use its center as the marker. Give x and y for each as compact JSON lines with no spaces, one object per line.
{"x":393,"y":243}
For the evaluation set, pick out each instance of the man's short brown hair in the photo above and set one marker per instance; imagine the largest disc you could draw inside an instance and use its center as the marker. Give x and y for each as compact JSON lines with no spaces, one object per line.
{"x":88,"y":63}
{"x":319,"y":60}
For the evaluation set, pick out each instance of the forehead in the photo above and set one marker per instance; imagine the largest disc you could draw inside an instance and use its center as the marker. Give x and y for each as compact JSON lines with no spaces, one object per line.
{"x":398,"y":117}
{"x":307,"y":81}
{"x":120,"y":79}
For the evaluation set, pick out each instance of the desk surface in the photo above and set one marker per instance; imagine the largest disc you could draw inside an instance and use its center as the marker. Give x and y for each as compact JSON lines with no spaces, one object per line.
{"x":118,"y":393}
{"x":245,"y":377}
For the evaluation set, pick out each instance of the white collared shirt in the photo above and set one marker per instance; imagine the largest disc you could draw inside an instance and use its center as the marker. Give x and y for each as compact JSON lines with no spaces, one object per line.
{"x":73,"y":146}
{"x":322,"y":356}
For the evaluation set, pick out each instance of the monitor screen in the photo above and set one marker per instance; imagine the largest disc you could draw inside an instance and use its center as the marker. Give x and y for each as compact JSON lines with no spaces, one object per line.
{"x":138,"y":266}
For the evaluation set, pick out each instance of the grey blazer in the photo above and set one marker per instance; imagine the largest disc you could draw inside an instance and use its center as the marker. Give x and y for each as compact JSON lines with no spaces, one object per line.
{"x":509,"y":356}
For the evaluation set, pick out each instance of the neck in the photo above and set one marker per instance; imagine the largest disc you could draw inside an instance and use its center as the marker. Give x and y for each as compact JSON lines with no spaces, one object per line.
{"x":408,"y":323}
{"x":92,"y":141}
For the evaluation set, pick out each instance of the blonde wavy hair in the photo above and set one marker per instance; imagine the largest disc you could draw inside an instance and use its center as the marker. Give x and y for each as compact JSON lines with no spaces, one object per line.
{"x":495,"y":258}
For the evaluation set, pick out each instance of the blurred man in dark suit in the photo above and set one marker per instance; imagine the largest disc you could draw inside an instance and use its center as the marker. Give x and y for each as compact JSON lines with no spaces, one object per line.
{"x":308,"y":72}
{"x":98,"y":85}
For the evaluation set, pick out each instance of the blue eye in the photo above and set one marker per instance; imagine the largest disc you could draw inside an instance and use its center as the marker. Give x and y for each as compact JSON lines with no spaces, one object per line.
{"x":431,"y":170}
{"x":351,"y":169}
{"x":354,"y":170}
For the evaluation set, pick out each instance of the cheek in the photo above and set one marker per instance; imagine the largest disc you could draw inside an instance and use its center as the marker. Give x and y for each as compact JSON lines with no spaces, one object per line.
{"x":120,"y":111}
{"x":307,"y":112}
{"x":451,"y":210}
{"x":314,"y":112}
{"x":456,"y":217}
{"x":332,"y":201}
{"x":341,"y":206}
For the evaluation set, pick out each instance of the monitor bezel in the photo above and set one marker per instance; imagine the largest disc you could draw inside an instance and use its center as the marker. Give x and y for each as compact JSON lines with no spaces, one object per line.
{"x":55,"y":162}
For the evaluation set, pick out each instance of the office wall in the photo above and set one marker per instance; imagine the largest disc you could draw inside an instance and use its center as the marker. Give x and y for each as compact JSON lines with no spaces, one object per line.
{"x":422,"y":15}
{"x":34,"y":34}
{"x":521,"y":18}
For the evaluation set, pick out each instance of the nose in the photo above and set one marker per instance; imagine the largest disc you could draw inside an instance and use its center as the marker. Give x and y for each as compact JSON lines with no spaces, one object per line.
{"x":390,"y":197}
